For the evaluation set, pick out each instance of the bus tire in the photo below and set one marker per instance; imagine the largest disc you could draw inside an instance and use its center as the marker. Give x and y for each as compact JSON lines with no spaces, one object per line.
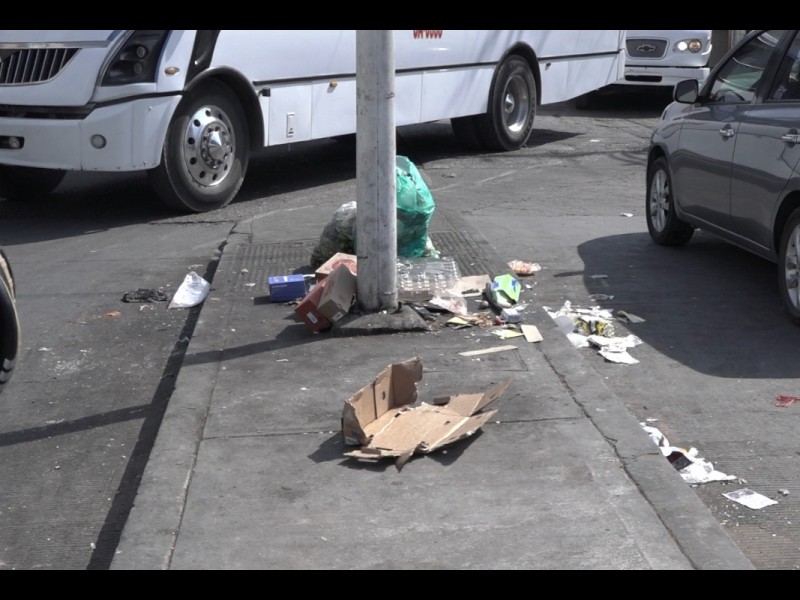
{"x":206,"y":151}
{"x":26,"y":183}
{"x":9,"y":322}
{"x":508,"y":122}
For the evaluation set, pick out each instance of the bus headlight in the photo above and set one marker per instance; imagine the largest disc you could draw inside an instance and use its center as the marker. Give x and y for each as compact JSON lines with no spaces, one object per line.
{"x":136,"y":60}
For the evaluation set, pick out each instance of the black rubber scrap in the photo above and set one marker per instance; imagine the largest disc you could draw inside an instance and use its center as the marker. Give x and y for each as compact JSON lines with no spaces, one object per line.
{"x":145,"y":295}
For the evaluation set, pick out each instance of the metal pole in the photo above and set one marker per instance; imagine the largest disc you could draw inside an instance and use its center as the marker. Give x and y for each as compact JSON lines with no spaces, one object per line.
{"x":376,"y":187}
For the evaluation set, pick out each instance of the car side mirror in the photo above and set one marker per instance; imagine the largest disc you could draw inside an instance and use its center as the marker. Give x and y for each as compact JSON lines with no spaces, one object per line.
{"x":686,"y":91}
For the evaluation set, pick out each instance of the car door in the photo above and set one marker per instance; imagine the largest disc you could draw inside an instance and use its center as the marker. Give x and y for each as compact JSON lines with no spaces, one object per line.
{"x":767,"y":151}
{"x":702,"y":165}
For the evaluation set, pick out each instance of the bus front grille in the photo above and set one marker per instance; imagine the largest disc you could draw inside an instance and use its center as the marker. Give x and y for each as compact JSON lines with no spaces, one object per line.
{"x":35,"y":65}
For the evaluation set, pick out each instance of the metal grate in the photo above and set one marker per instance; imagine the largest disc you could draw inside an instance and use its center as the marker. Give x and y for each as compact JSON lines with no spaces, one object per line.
{"x":646,"y":48}
{"x":35,"y":65}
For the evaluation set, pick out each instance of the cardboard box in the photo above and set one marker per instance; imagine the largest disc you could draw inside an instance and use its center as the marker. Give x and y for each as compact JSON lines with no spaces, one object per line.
{"x":384,"y":419}
{"x":308,"y":311}
{"x":351,"y":260}
{"x":337,"y":297}
{"x":285,"y":288}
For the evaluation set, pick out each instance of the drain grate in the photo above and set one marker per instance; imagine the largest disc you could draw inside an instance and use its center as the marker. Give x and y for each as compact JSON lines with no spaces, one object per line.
{"x":256,"y":262}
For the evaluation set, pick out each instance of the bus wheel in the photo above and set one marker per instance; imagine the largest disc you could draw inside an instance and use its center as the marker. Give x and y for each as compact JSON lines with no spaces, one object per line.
{"x":9,"y":322}
{"x":25,"y":183}
{"x":508,"y":123}
{"x":205,"y":153}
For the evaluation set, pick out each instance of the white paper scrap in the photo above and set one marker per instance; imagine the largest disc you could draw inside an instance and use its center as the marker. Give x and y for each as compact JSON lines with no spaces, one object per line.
{"x":617,"y":356}
{"x":750,"y":499}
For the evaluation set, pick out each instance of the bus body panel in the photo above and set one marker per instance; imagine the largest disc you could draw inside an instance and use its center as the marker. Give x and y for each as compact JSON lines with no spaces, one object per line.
{"x":302,"y":83}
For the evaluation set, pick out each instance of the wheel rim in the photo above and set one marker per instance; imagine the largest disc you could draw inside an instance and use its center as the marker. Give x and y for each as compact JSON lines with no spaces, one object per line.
{"x":790,"y":267}
{"x":516,"y":104}
{"x":208,"y":146}
{"x":659,"y":200}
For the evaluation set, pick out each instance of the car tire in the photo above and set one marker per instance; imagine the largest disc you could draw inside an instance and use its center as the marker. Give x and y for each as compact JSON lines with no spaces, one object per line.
{"x":28,"y":183}
{"x":789,"y":267}
{"x":206,"y":151}
{"x":9,"y":322}
{"x":663,"y":223}
{"x":508,"y":122}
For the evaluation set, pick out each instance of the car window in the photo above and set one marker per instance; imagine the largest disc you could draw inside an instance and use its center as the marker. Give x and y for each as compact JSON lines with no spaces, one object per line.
{"x":787,"y":83}
{"x":738,"y":78}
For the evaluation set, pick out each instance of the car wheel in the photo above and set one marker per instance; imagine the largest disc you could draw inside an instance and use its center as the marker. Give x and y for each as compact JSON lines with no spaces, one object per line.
{"x":205,"y":153}
{"x":25,"y":183}
{"x":9,"y":322}
{"x":663,"y":223}
{"x":508,"y":123}
{"x":789,"y":267}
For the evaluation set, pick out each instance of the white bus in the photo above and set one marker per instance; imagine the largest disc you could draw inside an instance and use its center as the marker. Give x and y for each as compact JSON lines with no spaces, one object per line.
{"x":191,"y":106}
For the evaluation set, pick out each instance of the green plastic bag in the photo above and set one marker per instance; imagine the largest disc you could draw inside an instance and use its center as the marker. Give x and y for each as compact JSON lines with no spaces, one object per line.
{"x":415,"y":207}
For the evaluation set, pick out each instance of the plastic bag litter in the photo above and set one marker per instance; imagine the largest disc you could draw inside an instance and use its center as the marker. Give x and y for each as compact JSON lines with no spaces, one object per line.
{"x":191,"y":292}
{"x":339,"y":235}
{"x":415,"y":208}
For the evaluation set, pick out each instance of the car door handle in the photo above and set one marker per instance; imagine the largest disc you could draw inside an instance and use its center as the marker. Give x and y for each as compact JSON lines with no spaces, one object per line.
{"x":792,"y":138}
{"x":727,"y":132}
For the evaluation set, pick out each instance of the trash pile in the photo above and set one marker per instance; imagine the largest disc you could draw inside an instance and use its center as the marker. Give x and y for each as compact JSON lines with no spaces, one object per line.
{"x":427,"y":282}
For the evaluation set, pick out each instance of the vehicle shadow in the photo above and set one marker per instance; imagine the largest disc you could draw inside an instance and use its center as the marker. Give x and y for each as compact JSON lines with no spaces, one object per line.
{"x":708,"y":305}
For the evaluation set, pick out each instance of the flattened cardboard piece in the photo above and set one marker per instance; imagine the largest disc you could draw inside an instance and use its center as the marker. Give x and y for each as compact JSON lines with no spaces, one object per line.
{"x":385,"y":421}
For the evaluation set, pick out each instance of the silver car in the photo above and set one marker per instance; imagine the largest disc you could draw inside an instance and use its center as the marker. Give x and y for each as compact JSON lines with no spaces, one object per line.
{"x":724,"y":157}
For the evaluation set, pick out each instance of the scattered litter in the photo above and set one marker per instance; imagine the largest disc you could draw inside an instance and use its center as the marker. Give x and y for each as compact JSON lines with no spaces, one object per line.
{"x":502,"y":292}
{"x":282,"y":360}
{"x":112,"y":314}
{"x":44,"y":349}
{"x":531,"y":333}
{"x":692,"y":468}
{"x":510,"y":315}
{"x":451,"y":302}
{"x":458,"y":321}
{"x":191,"y":292}
{"x":384,"y":419}
{"x":505,"y":334}
{"x":626,"y":214}
{"x":786,"y":401}
{"x":615,"y":349}
{"x":599,"y":297}
{"x":750,"y":499}
{"x":783,"y":492}
{"x":524,"y":268}
{"x":598,"y":276}
{"x":487,"y":350}
{"x":144,"y":295}
{"x":471,"y":285}
{"x":628,"y":317}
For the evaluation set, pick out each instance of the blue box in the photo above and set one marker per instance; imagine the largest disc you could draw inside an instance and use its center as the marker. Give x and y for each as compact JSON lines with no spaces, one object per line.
{"x":285,"y":288}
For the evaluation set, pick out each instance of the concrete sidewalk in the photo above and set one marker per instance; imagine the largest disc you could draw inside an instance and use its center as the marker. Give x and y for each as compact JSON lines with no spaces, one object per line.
{"x":248,"y":469}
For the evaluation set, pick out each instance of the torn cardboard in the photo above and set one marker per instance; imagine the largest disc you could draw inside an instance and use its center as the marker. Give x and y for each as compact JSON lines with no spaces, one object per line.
{"x":384,"y":419}
{"x":338,"y":295}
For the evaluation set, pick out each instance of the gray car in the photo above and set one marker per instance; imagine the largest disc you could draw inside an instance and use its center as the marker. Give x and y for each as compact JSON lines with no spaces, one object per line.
{"x":724,"y":157}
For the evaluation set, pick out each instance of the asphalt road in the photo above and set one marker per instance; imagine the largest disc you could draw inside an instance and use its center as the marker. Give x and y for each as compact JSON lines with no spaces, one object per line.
{"x":78,"y":420}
